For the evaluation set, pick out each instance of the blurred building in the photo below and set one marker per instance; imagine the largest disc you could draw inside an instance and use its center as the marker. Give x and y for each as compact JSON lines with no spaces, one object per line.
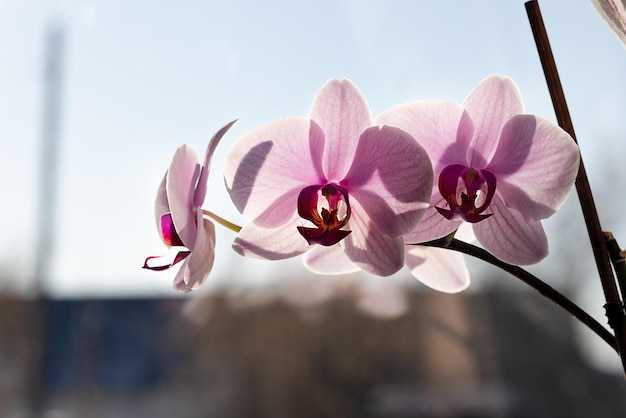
{"x":487,"y":354}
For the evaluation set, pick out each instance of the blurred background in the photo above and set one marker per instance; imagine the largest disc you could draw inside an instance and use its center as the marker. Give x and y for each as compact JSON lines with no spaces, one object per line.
{"x":95,"y":96}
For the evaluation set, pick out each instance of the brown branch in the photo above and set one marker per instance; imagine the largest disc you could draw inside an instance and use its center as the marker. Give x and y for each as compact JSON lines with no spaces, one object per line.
{"x":531,"y":280}
{"x":583,"y":188}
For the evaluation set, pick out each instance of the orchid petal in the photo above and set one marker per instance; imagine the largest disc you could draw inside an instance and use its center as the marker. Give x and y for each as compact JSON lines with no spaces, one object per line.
{"x":328,"y":260}
{"x":490,"y":105}
{"x":280,"y":210}
{"x":465,"y":233}
{"x":614,"y":14}
{"x":180,"y":186}
{"x":281,"y":155}
{"x":198,"y":265}
{"x":510,"y":237}
{"x":200,"y":192}
{"x":392,"y":178}
{"x":432,"y":225}
{"x":369,"y":247}
{"x":536,"y":163}
{"x":161,"y":207}
{"x":438,"y":268}
{"x":257,"y":242}
{"x":343,"y":113}
{"x":444,"y":129}
{"x":392,"y":218}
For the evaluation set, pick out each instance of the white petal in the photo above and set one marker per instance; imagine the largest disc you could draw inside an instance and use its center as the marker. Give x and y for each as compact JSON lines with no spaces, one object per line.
{"x":614,"y":14}
{"x":438,"y":268}
{"x":257,"y":242}
{"x":370,"y":248}
{"x":510,"y":237}
{"x":198,"y":264}
{"x":328,"y":260}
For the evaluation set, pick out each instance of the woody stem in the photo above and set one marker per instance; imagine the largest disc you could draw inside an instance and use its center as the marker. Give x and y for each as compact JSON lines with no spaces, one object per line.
{"x":614,"y":304}
{"x":531,"y":280}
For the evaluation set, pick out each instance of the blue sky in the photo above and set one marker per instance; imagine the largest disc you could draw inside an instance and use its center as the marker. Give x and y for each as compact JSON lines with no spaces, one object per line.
{"x":143,"y":77}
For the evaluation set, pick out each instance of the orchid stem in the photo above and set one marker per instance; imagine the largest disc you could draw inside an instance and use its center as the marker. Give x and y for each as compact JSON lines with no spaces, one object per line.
{"x":531,"y":280}
{"x":583,"y":188}
{"x":222,"y":221}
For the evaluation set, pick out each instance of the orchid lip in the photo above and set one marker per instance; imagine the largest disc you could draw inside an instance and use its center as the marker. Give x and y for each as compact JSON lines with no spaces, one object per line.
{"x":171,"y":239}
{"x":177,"y":259}
{"x":467,"y":191}
{"x":328,"y":217}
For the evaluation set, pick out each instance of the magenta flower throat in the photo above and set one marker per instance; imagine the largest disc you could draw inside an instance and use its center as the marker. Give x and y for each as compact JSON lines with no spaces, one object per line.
{"x":467,"y":191}
{"x":328,"y":220}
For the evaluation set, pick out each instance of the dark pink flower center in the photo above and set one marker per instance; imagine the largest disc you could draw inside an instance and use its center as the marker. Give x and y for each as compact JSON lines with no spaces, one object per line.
{"x":172,"y":239}
{"x":329,"y":214}
{"x":467,"y":191}
{"x":168,"y":232}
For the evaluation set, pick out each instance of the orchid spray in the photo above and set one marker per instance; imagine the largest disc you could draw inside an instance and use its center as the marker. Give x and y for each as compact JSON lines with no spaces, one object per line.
{"x":412,"y":186}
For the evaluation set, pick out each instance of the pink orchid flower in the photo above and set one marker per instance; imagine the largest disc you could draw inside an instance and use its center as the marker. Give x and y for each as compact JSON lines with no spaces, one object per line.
{"x":179,"y":216}
{"x":614,"y":14}
{"x":495,"y":167}
{"x":331,"y":182}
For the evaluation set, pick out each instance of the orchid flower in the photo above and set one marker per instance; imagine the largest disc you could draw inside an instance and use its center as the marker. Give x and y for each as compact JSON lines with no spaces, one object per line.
{"x":332,"y":183}
{"x":499,"y":169}
{"x":179,"y":216}
{"x":614,"y":14}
